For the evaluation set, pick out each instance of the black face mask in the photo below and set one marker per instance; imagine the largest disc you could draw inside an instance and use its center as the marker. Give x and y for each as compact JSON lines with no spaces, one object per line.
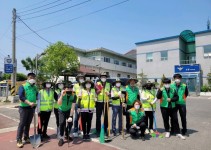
{"x":69,"y":92}
{"x":148,"y":87}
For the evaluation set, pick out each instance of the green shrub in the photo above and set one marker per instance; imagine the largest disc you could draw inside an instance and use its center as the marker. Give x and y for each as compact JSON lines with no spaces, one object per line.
{"x":205,"y":88}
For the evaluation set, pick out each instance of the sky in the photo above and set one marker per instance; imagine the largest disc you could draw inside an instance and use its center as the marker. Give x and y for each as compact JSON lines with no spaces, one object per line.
{"x":116,"y":28}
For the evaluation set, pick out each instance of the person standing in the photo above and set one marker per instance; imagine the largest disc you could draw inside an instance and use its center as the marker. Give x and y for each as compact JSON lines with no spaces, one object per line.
{"x":103,"y":89}
{"x":168,"y":98}
{"x":148,"y":96}
{"x":86,"y":103}
{"x":57,"y":93}
{"x":44,"y":108}
{"x":28,"y":95}
{"x":182,"y":92}
{"x":77,"y":89}
{"x":66,"y":103}
{"x":132,"y":94}
{"x":117,"y":97}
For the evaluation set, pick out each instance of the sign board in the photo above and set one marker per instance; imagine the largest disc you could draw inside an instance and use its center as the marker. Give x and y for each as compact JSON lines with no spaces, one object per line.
{"x":8,"y":68}
{"x":187,"y":68}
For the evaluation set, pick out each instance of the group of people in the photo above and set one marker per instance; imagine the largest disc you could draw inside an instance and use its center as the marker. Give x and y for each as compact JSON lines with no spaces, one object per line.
{"x":75,"y":105}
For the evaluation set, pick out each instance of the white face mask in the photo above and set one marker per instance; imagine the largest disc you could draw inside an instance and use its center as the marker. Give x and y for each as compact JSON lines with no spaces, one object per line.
{"x":137,"y":106}
{"x":61,"y":86}
{"x":81,"y":80}
{"x":88,"y":85}
{"x":177,"y":80}
{"x":32,"y":81}
{"x":167,"y":85}
{"x":103,"y":79}
{"x":48,"y":85}
{"x":118,"y":84}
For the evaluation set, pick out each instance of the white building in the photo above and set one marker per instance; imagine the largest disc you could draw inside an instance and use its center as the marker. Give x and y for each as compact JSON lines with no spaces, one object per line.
{"x":188,"y":54}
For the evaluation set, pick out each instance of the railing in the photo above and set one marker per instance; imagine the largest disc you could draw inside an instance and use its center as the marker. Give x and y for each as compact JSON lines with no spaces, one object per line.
{"x":187,"y":61}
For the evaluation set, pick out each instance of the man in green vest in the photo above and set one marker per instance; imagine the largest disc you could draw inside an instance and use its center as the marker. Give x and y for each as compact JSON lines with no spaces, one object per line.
{"x":57,"y":92}
{"x":77,"y":88}
{"x":103,"y":89}
{"x":28,"y":96}
{"x":66,"y":102}
{"x":132,"y":94}
{"x":44,"y":108}
{"x":182,"y":92}
{"x":168,"y":98}
{"x":117,"y":99}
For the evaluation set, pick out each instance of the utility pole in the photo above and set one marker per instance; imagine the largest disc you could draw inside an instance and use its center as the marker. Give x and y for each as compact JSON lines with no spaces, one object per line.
{"x":13,"y":77}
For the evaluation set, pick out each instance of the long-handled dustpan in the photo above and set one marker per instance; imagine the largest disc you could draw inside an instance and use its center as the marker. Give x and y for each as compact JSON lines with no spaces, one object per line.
{"x":35,"y":139}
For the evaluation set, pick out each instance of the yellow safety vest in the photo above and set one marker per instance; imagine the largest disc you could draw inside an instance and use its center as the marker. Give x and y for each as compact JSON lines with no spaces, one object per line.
{"x":146,"y":104}
{"x":46,"y":100}
{"x":88,"y":100}
{"x":115,"y":91}
{"x":77,"y":89}
{"x":102,"y":96}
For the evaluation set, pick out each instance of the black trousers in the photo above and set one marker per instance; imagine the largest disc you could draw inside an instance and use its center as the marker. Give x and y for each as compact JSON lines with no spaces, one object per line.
{"x":170,"y":113}
{"x":56,"y":112}
{"x":182,"y":112}
{"x":128,"y":118}
{"x":26,"y":116}
{"x":44,"y":119}
{"x":63,"y":116}
{"x":134,"y":132}
{"x":149,"y":118}
{"x":86,"y":119}
{"x":99,"y":111}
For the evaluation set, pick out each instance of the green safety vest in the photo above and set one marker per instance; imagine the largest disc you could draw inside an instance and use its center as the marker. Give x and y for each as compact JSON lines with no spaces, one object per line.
{"x":146,"y":103}
{"x":101,"y":96}
{"x":134,"y":116}
{"x":163,"y":101}
{"x":88,"y":101}
{"x":66,"y":103}
{"x":116,"y":90}
{"x":30,"y":93}
{"x":132,"y":94}
{"x":181,"y":93}
{"x":46,"y":100}
{"x":77,"y":88}
{"x":56,"y":105}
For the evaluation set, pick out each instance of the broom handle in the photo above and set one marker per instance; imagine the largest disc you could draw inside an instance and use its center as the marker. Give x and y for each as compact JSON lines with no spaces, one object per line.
{"x":108,"y":116}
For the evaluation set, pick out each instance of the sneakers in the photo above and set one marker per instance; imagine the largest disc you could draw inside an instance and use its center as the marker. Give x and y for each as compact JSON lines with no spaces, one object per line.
{"x":75,"y":134}
{"x":88,"y":137}
{"x":137,"y":127}
{"x":26,"y":140}
{"x":151,"y":131}
{"x":19,"y":143}
{"x":84,"y":137}
{"x":167,"y":134}
{"x":61,"y":142}
{"x":45,"y":136}
{"x":180,"y":136}
{"x":147,"y":131}
{"x":70,"y":138}
{"x":142,"y":138}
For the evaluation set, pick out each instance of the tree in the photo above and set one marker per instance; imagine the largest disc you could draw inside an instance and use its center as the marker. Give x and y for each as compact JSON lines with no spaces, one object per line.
{"x":57,"y":59}
{"x":142,"y":78}
{"x":209,"y":79}
{"x":20,"y":77}
{"x":29,"y":64}
{"x":161,"y":82}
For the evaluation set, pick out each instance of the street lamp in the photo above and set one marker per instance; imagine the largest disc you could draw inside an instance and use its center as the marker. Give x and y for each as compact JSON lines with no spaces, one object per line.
{"x":37,"y":57}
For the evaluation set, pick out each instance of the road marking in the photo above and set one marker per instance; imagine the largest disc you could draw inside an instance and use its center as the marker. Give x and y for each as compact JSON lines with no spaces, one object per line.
{"x":16,"y":120}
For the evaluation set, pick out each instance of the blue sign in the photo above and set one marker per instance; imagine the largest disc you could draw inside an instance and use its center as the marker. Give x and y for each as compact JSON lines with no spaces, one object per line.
{"x":186,"y":68}
{"x":8,"y":68}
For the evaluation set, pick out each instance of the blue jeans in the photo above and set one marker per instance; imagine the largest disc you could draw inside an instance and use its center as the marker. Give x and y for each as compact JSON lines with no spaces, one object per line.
{"x":117,"y":110}
{"x":76,"y":119}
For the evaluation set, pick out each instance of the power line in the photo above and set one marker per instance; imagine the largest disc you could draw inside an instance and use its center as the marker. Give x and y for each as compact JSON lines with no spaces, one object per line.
{"x":33,"y":31}
{"x":32,"y":5}
{"x":57,"y":10}
{"x":46,"y":8}
{"x":91,"y":13}
{"x":39,"y":6}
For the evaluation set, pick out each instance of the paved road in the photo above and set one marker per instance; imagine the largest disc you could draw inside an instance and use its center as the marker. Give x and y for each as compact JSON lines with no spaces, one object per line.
{"x":199,"y":123}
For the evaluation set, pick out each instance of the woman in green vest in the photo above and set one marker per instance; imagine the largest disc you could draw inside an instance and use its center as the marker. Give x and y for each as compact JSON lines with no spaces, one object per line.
{"x":86,"y":103}
{"x":148,"y":96}
{"x":44,"y":107}
{"x":137,"y":120}
{"x":168,"y":98}
{"x":66,"y":103}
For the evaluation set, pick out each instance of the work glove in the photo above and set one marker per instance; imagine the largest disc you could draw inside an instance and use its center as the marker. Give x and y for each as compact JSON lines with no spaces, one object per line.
{"x":70,"y":119}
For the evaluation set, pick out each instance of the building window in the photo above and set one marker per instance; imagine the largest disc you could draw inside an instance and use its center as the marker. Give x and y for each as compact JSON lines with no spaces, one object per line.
{"x":123,"y":63}
{"x":116,"y":62}
{"x":130,"y":65}
{"x":149,"y":57}
{"x":164,"y":55}
{"x":128,"y":76}
{"x":207,"y":51}
{"x":118,"y":75}
{"x":106,"y":59}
